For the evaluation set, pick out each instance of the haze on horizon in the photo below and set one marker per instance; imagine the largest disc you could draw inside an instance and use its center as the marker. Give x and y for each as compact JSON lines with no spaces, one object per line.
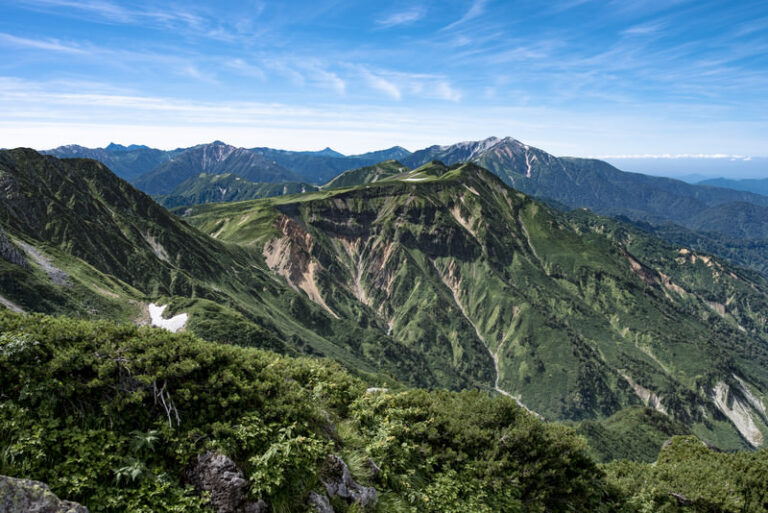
{"x":575,"y":77}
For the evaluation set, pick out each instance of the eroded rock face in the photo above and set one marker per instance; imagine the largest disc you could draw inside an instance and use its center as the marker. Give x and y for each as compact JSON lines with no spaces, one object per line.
{"x":219,"y":476}
{"x":26,"y":496}
{"x":339,"y":483}
{"x":10,"y":252}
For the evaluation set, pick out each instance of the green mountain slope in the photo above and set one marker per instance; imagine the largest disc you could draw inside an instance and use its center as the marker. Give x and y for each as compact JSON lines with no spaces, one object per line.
{"x":457,"y":266}
{"x":96,"y":247}
{"x":752,"y":254}
{"x":635,"y":434}
{"x":214,"y":158}
{"x":207,"y":188}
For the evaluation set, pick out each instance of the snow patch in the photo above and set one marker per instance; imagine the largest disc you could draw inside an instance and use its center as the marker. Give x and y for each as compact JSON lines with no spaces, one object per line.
{"x":173,"y":324}
{"x":415,"y":179}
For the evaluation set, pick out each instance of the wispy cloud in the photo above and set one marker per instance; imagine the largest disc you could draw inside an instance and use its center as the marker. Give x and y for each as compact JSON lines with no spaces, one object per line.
{"x":116,"y":13}
{"x":397,"y":84}
{"x":202,"y":22}
{"x":51,"y":45}
{"x":382,"y":84}
{"x":444,"y":91}
{"x":245,"y":68}
{"x":475,"y":10}
{"x":329,"y":79}
{"x":405,"y":17}
{"x":644,"y":29}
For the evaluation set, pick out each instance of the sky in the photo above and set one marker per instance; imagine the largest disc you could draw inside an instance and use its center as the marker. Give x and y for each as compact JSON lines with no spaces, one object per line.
{"x":625,"y":79}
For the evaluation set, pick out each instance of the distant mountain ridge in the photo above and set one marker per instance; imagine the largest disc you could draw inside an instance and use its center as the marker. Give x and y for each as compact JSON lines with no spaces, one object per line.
{"x":160,"y":172}
{"x":214,"y":158}
{"x":128,"y":162}
{"x":756,"y":185}
{"x":594,"y":184}
{"x":571,"y":182}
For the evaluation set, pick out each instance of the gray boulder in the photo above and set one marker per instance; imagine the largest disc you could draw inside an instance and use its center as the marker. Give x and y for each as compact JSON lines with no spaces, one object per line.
{"x":339,"y":483}
{"x":219,"y":476}
{"x":25,"y":496}
{"x":319,"y":503}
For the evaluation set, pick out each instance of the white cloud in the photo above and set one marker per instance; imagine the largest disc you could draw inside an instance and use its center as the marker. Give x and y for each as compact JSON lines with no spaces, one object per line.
{"x":382,"y":84}
{"x":245,"y":68}
{"x":411,"y":15}
{"x":39,"y":44}
{"x":444,"y":91}
{"x":475,"y":10}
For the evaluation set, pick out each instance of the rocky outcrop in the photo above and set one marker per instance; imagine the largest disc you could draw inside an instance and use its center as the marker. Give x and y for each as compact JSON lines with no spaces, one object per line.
{"x":319,"y":503}
{"x":219,"y":476}
{"x":25,"y":496}
{"x":10,"y":252}
{"x":339,"y":483}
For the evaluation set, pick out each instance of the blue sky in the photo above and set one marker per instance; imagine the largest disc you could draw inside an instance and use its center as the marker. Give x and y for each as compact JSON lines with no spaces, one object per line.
{"x":574,"y":77}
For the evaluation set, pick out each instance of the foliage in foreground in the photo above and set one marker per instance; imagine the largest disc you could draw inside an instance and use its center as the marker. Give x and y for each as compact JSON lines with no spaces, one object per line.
{"x":112,"y":416}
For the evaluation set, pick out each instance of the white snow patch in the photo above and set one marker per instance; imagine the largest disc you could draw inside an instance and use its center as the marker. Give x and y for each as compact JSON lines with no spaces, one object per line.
{"x":738,"y":413}
{"x":415,"y":179}
{"x":173,"y":324}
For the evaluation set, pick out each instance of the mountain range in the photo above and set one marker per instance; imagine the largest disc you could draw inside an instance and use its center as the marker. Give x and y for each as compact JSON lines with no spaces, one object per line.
{"x":570,"y":182}
{"x":442,"y":276}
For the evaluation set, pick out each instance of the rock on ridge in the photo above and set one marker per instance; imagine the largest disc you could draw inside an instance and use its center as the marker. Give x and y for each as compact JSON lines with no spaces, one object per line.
{"x":339,"y":483}
{"x":26,"y":496}
{"x":218,"y":475}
